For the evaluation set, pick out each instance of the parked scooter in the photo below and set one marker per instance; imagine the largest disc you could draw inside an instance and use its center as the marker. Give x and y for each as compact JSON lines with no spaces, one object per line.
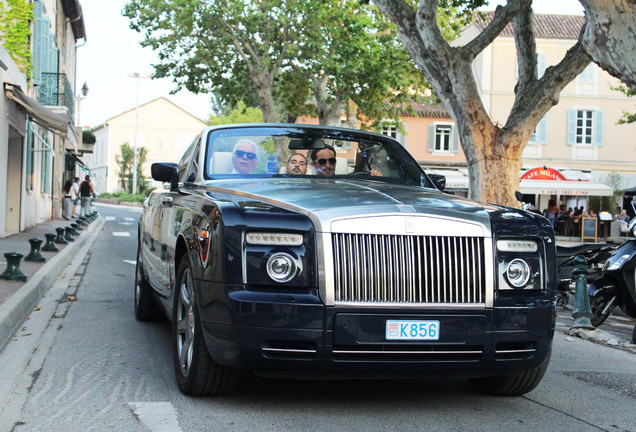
{"x":617,"y":284}
{"x":596,"y":254}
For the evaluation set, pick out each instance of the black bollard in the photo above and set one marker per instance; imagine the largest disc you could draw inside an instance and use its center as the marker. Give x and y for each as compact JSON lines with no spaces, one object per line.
{"x":50,"y":243}
{"x":82,"y":221}
{"x":74,"y":230}
{"x":35,"y":254}
{"x":69,"y":234}
{"x":13,"y":271}
{"x":60,"y":236}
{"x":582,"y":312}
{"x":77,"y":227}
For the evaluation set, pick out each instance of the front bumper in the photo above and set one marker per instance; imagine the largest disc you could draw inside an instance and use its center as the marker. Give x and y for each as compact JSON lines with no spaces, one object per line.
{"x":274,"y":333}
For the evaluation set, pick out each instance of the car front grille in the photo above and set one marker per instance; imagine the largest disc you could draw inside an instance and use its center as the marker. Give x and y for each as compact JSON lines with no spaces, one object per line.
{"x":408,"y":269}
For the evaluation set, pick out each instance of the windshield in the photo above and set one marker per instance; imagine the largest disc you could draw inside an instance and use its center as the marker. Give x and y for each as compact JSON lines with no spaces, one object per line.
{"x":309,"y":151}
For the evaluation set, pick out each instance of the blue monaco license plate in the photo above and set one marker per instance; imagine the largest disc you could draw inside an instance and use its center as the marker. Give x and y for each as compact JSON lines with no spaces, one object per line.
{"x":412,"y":330}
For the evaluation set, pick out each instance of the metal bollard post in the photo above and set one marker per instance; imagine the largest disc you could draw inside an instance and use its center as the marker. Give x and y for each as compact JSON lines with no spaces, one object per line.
{"x":34,"y":254}
{"x":582,"y":312}
{"x":82,"y":221}
{"x":13,"y":271}
{"x":77,"y":227}
{"x":74,"y":230}
{"x":69,"y":234}
{"x":60,"y":236}
{"x":50,"y":243}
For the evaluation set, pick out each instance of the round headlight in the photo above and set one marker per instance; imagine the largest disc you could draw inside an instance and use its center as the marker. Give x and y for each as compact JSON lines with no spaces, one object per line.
{"x":281,"y":267}
{"x":518,"y":273}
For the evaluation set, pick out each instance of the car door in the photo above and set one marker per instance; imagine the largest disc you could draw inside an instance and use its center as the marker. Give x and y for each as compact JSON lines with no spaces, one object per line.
{"x":174,"y":209}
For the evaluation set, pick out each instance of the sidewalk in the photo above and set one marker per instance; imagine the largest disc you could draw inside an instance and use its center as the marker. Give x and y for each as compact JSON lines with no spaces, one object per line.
{"x":17,"y":299}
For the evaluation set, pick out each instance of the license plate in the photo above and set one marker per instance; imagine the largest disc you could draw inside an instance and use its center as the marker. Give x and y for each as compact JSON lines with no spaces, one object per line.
{"x":412,"y":330}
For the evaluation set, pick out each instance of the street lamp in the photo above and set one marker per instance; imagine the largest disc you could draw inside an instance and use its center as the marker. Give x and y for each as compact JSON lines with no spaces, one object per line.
{"x":79,"y":99}
{"x":139,"y":76}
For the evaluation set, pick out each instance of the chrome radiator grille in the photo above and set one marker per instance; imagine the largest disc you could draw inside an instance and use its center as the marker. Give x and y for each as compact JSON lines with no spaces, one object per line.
{"x":408,"y":269}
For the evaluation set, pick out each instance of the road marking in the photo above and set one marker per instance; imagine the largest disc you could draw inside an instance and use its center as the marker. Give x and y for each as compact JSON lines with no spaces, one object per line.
{"x":110,"y":218}
{"x":121,"y":234}
{"x":130,"y":262}
{"x":157,"y":416}
{"x":130,"y":219}
{"x":125,"y":223}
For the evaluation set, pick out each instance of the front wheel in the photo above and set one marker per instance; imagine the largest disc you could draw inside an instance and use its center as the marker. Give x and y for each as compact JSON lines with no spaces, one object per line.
{"x":601,"y":309}
{"x":513,"y":385}
{"x":197,"y":374}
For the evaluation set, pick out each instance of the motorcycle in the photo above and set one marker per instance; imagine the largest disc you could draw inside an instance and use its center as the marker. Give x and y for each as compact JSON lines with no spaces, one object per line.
{"x":616,"y":287}
{"x":596,"y":254}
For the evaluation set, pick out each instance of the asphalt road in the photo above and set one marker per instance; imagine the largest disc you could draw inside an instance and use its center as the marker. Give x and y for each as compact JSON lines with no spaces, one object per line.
{"x":83,"y":363}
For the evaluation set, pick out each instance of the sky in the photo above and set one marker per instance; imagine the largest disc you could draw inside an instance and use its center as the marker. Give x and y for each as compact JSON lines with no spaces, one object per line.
{"x":112,"y":52}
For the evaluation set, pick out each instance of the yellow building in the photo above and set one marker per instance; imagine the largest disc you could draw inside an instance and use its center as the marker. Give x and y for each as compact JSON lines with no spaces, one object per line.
{"x":161,"y":127}
{"x":579,"y":136}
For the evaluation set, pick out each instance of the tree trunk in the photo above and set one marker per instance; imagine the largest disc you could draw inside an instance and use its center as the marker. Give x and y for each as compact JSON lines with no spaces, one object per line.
{"x":265,"y":90}
{"x":329,"y":109}
{"x":610,"y":37}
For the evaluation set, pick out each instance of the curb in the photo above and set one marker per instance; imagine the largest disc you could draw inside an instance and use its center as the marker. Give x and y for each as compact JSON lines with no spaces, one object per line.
{"x":17,"y":308}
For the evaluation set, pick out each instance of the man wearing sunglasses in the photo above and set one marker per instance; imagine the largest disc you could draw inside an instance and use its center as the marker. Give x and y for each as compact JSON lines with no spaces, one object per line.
{"x":324,"y":160}
{"x":244,"y":157}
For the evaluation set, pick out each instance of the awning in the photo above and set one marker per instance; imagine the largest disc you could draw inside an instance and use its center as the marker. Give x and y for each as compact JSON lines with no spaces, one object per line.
{"x":564,"y":187}
{"x":38,"y":112}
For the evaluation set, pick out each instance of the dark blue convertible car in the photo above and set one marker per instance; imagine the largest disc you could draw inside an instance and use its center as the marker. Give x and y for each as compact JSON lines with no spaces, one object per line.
{"x":304,"y":251}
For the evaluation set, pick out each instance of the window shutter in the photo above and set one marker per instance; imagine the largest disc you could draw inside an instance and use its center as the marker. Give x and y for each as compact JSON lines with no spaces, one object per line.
{"x":454,"y":140}
{"x":542,"y":130}
{"x":572,"y":127}
{"x":598,"y":128}
{"x":541,"y":64}
{"x":431,"y":138}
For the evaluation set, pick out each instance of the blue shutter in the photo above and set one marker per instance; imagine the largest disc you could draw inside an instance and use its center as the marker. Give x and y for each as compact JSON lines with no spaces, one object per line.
{"x":454,"y":140}
{"x":598,"y":128}
{"x":542,"y":130}
{"x":572,"y":127}
{"x":430,"y":145}
{"x":541,"y":64}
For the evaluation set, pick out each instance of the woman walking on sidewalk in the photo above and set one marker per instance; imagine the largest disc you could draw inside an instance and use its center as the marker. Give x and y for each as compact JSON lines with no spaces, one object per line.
{"x":86,"y":192}
{"x":67,"y":201}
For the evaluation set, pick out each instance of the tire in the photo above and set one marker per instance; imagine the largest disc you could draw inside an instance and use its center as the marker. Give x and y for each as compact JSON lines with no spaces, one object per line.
{"x":197,"y":374}
{"x":145,"y":307}
{"x":597,"y":304}
{"x":513,"y":385}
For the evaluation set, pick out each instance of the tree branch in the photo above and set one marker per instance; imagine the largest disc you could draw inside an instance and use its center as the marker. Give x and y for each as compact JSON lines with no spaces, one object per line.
{"x":526,"y":50}
{"x":502,"y":16}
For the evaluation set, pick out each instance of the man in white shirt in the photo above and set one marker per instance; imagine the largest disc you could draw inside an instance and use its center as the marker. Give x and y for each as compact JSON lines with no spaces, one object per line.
{"x":76,"y":194}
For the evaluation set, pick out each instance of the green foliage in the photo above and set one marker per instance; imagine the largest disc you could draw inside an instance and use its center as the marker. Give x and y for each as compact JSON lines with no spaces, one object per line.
{"x":627,"y":117}
{"x":243,"y":51}
{"x":123,"y":196}
{"x":88,"y":137}
{"x":239,"y":114}
{"x":125,"y":161}
{"x":618,"y":184}
{"x":15,"y":32}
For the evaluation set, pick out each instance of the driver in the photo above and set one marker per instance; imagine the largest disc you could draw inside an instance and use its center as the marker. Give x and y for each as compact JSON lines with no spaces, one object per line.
{"x":244,"y":157}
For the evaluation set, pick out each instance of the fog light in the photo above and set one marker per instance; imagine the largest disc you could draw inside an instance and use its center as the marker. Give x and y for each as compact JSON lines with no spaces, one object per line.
{"x":281,"y":267}
{"x":518,"y":273}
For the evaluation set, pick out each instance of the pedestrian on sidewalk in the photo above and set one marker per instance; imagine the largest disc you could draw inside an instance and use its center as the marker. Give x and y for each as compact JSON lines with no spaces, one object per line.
{"x":67,"y":200}
{"x":86,"y":192}
{"x":76,"y":195}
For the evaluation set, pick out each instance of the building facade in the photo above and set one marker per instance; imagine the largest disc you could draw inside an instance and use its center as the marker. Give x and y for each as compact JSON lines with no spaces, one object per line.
{"x":579,"y":136}
{"x":159,"y":126}
{"x":37,"y":133}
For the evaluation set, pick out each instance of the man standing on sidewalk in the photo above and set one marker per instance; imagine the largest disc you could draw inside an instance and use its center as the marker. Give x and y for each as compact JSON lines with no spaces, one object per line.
{"x":86,"y":192}
{"x":76,"y":195}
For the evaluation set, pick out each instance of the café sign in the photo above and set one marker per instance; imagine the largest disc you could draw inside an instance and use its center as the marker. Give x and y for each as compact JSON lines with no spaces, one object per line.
{"x":542,"y":173}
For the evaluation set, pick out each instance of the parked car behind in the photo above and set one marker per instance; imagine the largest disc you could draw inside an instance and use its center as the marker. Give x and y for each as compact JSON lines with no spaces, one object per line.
{"x":371,"y":271}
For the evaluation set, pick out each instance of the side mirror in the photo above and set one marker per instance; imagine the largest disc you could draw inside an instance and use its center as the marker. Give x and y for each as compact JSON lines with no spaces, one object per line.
{"x":165,"y":172}
{"x":438,"y":180}
{"x":519,"y":196}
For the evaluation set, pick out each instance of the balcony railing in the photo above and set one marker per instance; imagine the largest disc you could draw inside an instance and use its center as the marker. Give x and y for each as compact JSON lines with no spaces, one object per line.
{"x":55,"y":90}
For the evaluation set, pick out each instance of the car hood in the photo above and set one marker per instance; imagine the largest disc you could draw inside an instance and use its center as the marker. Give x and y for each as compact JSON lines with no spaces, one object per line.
{"x":329,"y":199}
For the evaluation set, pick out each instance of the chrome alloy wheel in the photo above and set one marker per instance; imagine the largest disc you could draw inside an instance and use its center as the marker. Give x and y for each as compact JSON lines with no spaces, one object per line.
{"x":185,"y":322}
{"x":138,"y":279}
